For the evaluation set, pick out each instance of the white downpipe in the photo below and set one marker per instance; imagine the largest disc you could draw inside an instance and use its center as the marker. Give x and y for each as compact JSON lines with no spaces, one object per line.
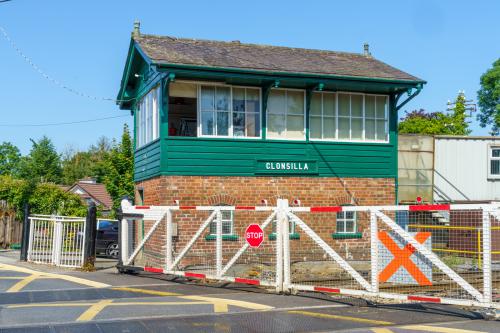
{"x":331,"y":252}
{"x":192,"y":241}
{"x":374,"y":251}
{"x":124,"y":246}
{"x":430,"y":255}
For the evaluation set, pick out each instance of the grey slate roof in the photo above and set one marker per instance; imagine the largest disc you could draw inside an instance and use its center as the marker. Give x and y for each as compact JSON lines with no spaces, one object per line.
{"x":171,"y":50}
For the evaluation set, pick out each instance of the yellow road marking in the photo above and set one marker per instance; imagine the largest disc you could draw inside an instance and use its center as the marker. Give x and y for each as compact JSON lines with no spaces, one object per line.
{"x":146,"y":291}
{"x":47,"y":305}
{"x":12,"y":277}
{"x":23,"y":283}
{"x":381,"y":330}
{"x":94,"y":310}
{"x":45,"y":275}
{"x":438,"y":329}
{"x":221,"y":304}
{"x":330,"y":316}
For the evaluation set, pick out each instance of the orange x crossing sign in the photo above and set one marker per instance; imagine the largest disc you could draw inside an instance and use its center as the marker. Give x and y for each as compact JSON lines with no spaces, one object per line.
{"x":402,"y":258}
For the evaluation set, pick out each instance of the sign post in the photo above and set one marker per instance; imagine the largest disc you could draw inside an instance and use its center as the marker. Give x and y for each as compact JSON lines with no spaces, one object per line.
{"x":254,"y":235}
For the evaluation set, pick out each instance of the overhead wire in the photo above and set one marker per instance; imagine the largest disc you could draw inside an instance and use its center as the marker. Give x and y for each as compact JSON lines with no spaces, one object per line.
{"x":62,"y":123}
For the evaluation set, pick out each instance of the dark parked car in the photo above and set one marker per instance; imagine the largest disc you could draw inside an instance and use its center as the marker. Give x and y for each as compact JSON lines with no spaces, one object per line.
{"x":107,"y":238}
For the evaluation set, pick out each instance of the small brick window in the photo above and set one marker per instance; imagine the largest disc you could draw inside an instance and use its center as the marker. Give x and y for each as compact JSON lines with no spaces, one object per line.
{"x":346,"y":223}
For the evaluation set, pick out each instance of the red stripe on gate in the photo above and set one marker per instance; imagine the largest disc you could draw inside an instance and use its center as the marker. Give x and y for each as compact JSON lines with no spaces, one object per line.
{"x":244,"y":207}
{"x":327,"y":290}
{"x":429,"y":207}
{"x":153,"y":270}
{"x":247,"y":281}
{"x":326,"y":209}
{"x":141,"y":207}
{"x":424,"y":299}
{"x":194,"y":275}
{"x":187,"y":207}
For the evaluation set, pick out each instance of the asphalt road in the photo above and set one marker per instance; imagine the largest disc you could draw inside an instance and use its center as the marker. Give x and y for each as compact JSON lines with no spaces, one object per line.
{"x":41,"y":299}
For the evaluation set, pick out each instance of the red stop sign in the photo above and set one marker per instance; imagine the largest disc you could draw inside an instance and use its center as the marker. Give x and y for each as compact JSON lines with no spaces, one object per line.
{"x":254,"y":235}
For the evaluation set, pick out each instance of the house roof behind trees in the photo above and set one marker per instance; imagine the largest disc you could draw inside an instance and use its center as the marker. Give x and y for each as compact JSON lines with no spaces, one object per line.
{"x":89,"y":189}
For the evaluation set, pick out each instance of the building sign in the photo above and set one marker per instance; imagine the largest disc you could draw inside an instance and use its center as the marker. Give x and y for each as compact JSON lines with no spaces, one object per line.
{"x":286,"y":167}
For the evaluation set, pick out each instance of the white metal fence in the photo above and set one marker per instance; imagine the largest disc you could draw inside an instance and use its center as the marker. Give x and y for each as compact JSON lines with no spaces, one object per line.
{"x":56,"y":240}
{"x":432,"y":253}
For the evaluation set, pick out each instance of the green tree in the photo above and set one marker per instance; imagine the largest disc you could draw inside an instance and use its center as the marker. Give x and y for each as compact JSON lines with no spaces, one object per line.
{"x":488,"y":98}
{"x":43,"y":163}
{"x":119,"y":178}
{"x":77,"y":166}
{"x":10,"y":159}
{"x":435,"y":123}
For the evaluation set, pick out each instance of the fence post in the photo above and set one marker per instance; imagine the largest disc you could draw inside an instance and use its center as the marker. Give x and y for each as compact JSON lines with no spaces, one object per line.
{"x":90,"y":236}
{"x":285,"y":233}
{"x":168,"y":255}
{"x":26,"y":233}
{"x":374,"y":250}
{"x":218,"y":242}
{"x":124,"y":234}
{"x":487,"y":292}
{"x":281,"y":203}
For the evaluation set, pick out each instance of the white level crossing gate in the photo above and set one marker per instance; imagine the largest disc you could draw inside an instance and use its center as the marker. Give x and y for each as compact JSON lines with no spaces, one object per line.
{"x":56,"y":240}
{"x":431,"y":253}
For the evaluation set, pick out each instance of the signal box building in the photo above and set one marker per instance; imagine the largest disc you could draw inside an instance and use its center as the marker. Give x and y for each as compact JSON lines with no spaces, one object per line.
{"x":233,"y":123}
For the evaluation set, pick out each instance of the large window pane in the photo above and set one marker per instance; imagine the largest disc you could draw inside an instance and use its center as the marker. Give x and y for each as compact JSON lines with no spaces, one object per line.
{"x":276,"y":126}
{"x":344,"y":132}
{"x":253,"y":100}
{"x":369,"y":106}
{"x":316,"y":104}
{"x":238,"y":99}
{"x":381,"y":130}
{"x":222,"y":123}
{"x":315,"y":128}
{"x":295,"y":102}
{"x":356,"y":128}
{"x":381,"y":106}
{"x":222,"y":98}
{"x":253,"y":124}
{"x":329,"y":105}
{"x":344,"y":105}
{"x":329,"y":128}
{"x":239,"y":124}
{"x":370,"y":129}
{"x":357,"y":105}
{"x":207,"y":123}
{"x":276,"y":102}
{"x":295,"y":127}
{"x":207,"y":98}
{"x":495,"y":167}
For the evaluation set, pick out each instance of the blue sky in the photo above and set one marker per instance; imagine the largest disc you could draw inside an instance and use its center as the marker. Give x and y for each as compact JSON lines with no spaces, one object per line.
{"x":84,"y":44}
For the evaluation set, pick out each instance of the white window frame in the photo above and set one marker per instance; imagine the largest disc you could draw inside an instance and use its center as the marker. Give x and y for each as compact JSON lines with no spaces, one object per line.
{"x":213,"y":225}
{"x":344,"y":221}
{"x":231,"y":111}
{"x":286,"y":116}
{"x":337,"y":139}
{"x":148,"y":108}
{"x":491,"y":158}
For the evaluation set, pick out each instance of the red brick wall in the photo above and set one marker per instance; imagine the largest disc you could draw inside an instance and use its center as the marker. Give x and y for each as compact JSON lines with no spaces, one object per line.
{"x":195,"y":190}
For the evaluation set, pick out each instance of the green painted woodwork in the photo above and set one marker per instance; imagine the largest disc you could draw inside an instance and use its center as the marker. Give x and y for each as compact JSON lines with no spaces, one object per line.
{"x":147,"y":161}
{"x":231,"y":238}
{"x":340,"y":235}
{"x":293,"y":235}
{"x":236,"y":157}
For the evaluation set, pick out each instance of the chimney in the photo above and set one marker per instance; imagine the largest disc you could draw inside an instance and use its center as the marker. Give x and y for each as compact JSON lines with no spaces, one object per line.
{"x":137,"y":29}
{"x":366,"y":50}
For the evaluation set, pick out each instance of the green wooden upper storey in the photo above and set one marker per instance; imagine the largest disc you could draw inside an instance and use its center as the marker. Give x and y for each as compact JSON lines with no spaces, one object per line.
{"x":227,"y":108}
